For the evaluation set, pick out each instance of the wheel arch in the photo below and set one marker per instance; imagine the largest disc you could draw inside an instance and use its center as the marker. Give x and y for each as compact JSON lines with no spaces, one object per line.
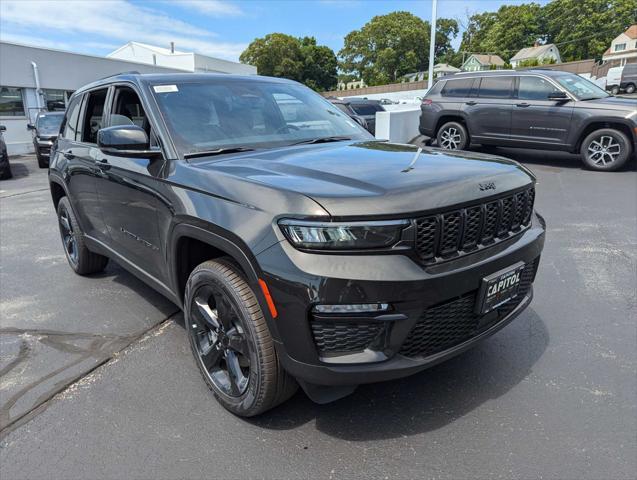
{"x":58,"y":190}
{"x":615,"y":124}
{"x":451,"y":117}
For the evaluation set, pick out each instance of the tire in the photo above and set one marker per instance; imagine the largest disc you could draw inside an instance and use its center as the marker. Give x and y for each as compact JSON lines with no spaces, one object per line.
{"x":80,"y":258}
{"x":41,"y":162}
{"x":605,"y":150}
{"x":452,"y":136}
{"x":630,"y":88}
{"x":614,"y":90}
{"x":231,"y":342}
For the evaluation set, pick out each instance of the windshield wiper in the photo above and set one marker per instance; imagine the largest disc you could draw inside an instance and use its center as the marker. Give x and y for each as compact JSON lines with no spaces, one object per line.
{"x":321,"y":140}
{"x":219,"y":151}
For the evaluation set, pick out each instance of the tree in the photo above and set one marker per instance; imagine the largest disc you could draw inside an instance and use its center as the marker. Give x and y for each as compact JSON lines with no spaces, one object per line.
{"x":587,"y":25}
{"x":389,"y":46}
{"x":319,"y":65}
{"x":300,"y":59}
{"x":506,"y":31}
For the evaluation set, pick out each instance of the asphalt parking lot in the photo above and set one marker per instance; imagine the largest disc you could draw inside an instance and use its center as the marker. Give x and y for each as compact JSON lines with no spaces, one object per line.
{"x":97,"y":380}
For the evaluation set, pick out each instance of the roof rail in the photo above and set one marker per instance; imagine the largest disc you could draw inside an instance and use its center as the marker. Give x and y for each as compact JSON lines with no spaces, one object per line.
{"x":130,"y":72}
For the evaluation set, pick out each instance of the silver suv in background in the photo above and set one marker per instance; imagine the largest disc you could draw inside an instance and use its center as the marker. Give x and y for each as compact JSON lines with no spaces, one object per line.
{"x":538,"y":109}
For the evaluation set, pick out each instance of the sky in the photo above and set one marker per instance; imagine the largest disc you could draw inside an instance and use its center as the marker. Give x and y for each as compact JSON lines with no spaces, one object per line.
{"x":211,"y":27}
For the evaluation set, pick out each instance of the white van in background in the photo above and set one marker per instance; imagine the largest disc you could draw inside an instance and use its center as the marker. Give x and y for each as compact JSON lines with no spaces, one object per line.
{"x":621,"y":79}
{"x":614,"y":79}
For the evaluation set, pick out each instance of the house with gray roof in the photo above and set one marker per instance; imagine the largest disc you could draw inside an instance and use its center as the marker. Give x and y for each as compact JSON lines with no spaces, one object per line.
{"x":478,"y":61}
{"x":548,"y":53}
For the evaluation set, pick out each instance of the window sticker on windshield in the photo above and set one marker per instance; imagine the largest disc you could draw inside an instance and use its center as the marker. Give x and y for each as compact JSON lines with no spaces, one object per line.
{"x":165,"y":88}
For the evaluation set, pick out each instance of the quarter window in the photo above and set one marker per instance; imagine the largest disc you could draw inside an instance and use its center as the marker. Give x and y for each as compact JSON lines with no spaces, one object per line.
{"x":496,"y":87}
{"x":457,"y":88}
{"x":11,"y":104}
{"x":535,"y":88}
{"x":93,"y":115}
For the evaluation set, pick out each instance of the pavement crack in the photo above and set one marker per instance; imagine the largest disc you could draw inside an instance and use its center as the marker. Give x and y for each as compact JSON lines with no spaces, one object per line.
{"x":101,"y":348}
{"x":24,"y":193}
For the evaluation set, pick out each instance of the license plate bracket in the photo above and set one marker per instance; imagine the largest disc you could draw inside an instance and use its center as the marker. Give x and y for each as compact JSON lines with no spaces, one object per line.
{"x":498,"y":288}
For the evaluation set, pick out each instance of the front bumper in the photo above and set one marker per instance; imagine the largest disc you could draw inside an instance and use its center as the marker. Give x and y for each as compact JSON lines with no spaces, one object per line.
{"x":299,"y":280}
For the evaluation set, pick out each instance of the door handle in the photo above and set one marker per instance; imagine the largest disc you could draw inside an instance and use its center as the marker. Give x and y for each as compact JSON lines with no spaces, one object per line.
{"x":102,"y":164}
{"x":471,"y":103}
{"x":68,"y":155}
{"x":523,"y":105}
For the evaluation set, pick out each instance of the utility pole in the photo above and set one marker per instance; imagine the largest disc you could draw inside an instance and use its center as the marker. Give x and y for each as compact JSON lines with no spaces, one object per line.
{"x":432,"y":44}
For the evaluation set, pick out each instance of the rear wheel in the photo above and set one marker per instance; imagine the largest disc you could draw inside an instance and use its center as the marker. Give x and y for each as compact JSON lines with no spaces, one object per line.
{"x":231,"y":342}
{"x":453,"y":136}
{"x":605,"y":150}
{"x":630,"y":88}
{"x":80,"y":258}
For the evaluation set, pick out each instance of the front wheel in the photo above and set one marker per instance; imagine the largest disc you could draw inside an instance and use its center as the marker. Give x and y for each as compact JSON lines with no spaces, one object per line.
{"x":605,"y":150}
{"x":231,"y":342}
{"x":42,"y":163}
{"x":453,"y":136}
{"x":614,"y":90}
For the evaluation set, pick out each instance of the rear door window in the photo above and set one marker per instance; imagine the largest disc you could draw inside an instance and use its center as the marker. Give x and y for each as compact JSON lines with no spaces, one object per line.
{"x":458,"y":88}
{"x":93,"y":115}
{"x":496,"y":87}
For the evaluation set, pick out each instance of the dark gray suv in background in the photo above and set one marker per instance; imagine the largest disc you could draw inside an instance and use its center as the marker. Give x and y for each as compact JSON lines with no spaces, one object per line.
{"x":539,"y":109}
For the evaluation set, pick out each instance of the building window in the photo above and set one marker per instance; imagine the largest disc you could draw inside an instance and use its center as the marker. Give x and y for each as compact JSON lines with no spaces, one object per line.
{"x":54,"y":100}
{"x":620,"y":47}
{"x":11,"y":104}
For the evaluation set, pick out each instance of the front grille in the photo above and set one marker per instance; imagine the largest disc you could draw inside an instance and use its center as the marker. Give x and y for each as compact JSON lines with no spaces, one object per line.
{"x":455,"y":321}
{"x":449,"y":234}
{"x":344,"y":337}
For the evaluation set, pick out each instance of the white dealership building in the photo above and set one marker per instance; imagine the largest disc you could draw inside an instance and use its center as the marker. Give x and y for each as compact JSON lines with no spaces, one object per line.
{"x":34,"y":79}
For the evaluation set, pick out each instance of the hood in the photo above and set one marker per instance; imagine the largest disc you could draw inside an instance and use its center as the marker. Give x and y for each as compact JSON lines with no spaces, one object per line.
{"x":623,"y":104}
{"x":377,"y":178}
{"x":48,"y":133}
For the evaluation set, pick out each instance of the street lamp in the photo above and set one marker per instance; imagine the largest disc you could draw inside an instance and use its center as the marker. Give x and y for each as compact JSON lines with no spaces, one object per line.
{"x":432,"y":45}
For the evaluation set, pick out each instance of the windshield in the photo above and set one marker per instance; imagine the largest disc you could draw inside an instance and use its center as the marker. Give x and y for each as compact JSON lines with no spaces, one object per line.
{"x":49,"y":123}
{"x":581,"y":88}
{"x":210,"y":115}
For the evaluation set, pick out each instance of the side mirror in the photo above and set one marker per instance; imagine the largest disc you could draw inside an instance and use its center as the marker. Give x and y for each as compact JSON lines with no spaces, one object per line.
{"x":360,"y":120}
{"x":126,"y":140}
{"x":558,"y":96}
{"x":30,"y":126}
{"x":3,"y":128}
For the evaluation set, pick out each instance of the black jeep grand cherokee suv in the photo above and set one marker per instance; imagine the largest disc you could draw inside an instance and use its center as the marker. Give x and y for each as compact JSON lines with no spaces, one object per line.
{"x":301,"y":250}
{"x":540,"y":109}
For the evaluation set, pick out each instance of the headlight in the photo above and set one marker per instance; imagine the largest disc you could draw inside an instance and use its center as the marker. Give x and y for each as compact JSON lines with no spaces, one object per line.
{"x":342,"y":236}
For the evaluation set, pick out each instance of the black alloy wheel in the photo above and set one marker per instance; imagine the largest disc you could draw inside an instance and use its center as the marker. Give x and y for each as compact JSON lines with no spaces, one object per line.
{"x":220,"y":340}
{"x":80,"y":258}
{"x":69,"y":237}
{"x":231,"y":341}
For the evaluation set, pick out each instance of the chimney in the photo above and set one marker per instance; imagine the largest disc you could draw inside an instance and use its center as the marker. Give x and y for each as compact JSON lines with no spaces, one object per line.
{"x":172,"y":47}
